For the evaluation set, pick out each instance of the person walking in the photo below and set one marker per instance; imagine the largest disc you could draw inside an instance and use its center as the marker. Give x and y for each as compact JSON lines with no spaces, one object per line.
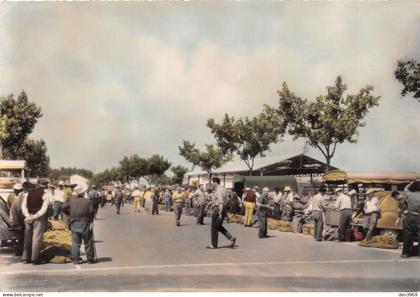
{"x":17,"y":218}
{"x":137,"y":199}
{"x":411,"y":222}
{"x":118,"y":197}
{"x":318,"y":206}
{"x":262,"y":209}
{"x":249,"y":202}
{"x":343,"y":204}
{"x":178,"y":200}
{"x":219,"y":213}
{"x":372,"y":211}
{"x":200,"y":201}
{"x":82,"y":213}
{"x":167,"y":199}
{"x":148,"y":200}
{"x":34,"y":208}
{"x":155,"y":202}
{"x":187,"y":202}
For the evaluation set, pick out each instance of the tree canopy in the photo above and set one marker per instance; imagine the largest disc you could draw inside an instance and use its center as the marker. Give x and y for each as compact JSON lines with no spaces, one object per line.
{"x":64,"y":173}
{"x":18,"y":117}
{"x":247,"y":137}
{"x":179,"y":172}
{"x":329,"y":119}
{"x":408,"y":73}
{"x":208,"y":160}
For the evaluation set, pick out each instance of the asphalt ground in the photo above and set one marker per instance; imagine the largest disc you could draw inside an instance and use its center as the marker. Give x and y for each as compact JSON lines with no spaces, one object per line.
{"x":139,"y":252}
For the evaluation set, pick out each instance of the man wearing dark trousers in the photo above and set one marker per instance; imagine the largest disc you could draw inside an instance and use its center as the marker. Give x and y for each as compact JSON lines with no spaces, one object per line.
{"x":118,"y":198}
{"x":262,"y":208}
{"x":411,"y":223}
{"x":200,"y":204}
{"x":318,"y":206}
{"x":81,"y":212}
{"x":343,"y":203}
{"x":219,"y":213}
{"x":17,"y":218}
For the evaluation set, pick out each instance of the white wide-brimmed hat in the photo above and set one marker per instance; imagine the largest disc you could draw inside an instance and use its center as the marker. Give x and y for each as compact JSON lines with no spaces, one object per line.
{"x":80,"y":189}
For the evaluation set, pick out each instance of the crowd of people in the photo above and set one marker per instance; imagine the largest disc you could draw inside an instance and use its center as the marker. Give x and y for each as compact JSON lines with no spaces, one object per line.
{"x":32,"y":205}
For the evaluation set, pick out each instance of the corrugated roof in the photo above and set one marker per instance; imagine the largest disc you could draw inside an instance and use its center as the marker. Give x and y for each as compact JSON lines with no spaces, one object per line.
{"x":239,"y":165}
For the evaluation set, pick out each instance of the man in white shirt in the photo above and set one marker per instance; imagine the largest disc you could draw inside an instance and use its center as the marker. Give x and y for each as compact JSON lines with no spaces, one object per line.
{"x":372,"y":212}
{"x":318,"y":206}
{"x":58,"y":200}
{"x":287,"y":204}
{"x":34,"y":209}
{"x":343,"y":204}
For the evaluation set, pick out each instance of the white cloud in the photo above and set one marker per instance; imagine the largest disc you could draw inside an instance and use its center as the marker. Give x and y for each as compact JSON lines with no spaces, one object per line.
{"x":113,"y":80}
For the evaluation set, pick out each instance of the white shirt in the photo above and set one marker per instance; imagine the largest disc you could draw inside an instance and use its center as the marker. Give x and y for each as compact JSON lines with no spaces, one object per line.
{"x":288,"y":197}
{"x":372,"y":205}
{"x":136,"y":193}
{"x":318,"y":202}
{"x":343,"y":202}
{"x":58,"y":195}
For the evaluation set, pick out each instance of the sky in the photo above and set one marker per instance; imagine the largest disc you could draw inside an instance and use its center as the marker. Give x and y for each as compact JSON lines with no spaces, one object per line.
{"x":119,"y":78}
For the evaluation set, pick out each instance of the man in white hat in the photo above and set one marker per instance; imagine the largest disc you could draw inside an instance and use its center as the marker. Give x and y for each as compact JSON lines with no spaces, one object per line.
{"x":286,"y":204}
{"x":17,"y":218}
{"x":372,"y":210}
{"x":81,"y":212}
{"x":58,"y":200}
{"x":343,"y":204}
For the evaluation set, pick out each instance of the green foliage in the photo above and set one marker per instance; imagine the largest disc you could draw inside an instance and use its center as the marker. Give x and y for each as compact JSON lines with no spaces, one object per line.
{"x":133,"y":168}
{"x":329,"y":119}
{"x":408,"y":73}
{"x":17,"y":120}
{"x":64,"y":173}
{"x":179,"y":172}
{"x":158,"y":165}
{"x":35,"y":154}
{"x":246,"y":137}
{"x":208,"y":160}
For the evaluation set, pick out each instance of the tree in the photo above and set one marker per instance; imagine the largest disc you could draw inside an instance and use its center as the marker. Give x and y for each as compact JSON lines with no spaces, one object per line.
{"x":328,"y":120}
{"x":64,"y":173}
{"x":408,"y":73}
{"x":18,"y":118}
{"x":248,"y":138}
{"x":35,"y":154}
{"x":179,"y":172}
{"x":140,"y":167}
{"x":208,"y":160}
{"x":157,"y":166}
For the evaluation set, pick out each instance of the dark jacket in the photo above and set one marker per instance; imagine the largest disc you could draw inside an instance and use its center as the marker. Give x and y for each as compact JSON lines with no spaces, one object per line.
{"x":16,"y":215}
{"x":79,"y":209}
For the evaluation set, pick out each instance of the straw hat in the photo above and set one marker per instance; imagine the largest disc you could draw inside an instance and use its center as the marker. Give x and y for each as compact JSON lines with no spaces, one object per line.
{"x":287,"y":189}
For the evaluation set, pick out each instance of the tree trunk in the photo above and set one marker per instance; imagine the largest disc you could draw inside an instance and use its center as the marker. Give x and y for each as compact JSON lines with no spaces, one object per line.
{"x":328,"y":161}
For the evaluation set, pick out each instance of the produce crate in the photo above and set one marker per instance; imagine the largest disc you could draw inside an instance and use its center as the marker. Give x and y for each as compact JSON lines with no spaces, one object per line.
{"x":308,"y":229}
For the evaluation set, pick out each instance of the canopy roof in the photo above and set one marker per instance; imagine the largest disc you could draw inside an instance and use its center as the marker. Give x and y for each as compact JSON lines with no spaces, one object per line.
{"x":288,"y":164}
{"x":12,"y":164}
{"x":339,"y":176}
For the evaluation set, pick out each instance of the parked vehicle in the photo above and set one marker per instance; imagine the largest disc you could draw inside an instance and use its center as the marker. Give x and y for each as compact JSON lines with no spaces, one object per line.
{"x":384,"y":183}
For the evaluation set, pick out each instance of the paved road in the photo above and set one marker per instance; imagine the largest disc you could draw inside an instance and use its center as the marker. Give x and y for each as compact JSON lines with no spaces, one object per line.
{"x":149,"y":253}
